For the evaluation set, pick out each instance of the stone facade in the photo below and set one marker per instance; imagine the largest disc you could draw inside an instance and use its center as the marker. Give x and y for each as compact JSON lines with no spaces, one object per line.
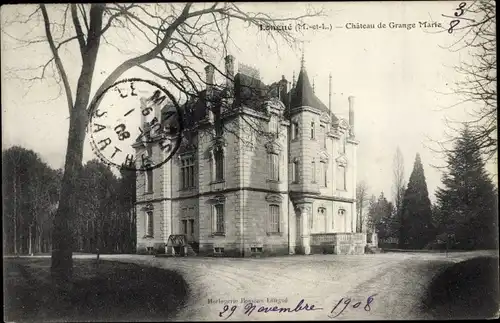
{"x":301,"y":205}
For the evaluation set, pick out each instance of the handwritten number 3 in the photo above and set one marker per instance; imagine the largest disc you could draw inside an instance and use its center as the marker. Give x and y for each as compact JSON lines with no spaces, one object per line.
{"x":461,"y":8}
{"x":459,"y":13}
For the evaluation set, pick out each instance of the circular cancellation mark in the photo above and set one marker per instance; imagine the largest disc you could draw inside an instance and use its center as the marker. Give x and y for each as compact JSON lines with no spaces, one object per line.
{"x":133,"y":113}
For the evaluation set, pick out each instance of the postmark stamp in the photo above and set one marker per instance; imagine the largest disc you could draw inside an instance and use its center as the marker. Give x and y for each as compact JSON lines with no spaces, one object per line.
{"x":134,"y":112}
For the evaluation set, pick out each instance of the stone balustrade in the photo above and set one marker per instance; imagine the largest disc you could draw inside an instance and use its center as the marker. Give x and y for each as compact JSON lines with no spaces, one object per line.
{"x":338,"y":243}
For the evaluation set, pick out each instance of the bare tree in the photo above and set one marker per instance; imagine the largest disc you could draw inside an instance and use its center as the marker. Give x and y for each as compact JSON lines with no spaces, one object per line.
{"x":399,"y":183}
{"x":177,"y":34}
{"x":478,"y":86}
{"x":361,"y":203}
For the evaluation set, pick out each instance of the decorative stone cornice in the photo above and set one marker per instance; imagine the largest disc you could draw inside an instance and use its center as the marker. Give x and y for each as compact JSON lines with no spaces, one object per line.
{"x":273,"y":147}
{"x":341,"y":160}
{"x":274,"y":198}
{"x":325,"y":118}
{"x":303,"y":207}
{"x":218,"y":199}
{"x":324,"y":156}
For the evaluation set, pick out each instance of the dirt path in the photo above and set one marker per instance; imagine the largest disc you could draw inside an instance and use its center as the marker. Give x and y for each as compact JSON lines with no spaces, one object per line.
{"x":397,"y":280}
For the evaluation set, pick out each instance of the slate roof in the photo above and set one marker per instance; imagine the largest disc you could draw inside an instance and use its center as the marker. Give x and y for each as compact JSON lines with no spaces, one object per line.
{"x":252,"y":92}
{"x":302,"y":95}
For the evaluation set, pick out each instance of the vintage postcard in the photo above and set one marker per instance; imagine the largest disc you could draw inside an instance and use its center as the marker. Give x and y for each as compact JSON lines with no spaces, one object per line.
{"x":250,"y":161}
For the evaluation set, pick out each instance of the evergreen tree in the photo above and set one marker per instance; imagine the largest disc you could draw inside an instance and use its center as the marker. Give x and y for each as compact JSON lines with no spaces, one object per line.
{"x":416,"y":221}
{"x":380,"y":216}
{"x":468,"y":200}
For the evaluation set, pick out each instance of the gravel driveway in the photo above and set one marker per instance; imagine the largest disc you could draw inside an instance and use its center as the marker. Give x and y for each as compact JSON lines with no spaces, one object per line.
{"x":396,"y":282}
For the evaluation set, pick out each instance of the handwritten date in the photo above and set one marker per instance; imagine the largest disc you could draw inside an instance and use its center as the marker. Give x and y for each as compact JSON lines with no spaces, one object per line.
{"x":345,"y":302}
{"x":457,"y":17}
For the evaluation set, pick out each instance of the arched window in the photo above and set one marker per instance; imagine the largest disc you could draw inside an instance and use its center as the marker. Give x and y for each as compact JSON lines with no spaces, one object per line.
{"x":322,"y":217}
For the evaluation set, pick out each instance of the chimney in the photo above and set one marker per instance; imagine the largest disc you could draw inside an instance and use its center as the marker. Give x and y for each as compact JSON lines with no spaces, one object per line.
{"x":351,"y":114}
{"x":229,"y":70}
{"x":209,"y":71}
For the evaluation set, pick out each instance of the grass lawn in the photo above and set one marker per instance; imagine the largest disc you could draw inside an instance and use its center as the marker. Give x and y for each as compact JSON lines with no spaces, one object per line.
{"x":110,"y":291}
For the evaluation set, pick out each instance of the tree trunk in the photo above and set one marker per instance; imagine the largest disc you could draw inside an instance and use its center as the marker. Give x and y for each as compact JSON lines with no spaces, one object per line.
{"x":30,"y":237}
{"x":62,"y":236}
{"x":39,"y":242}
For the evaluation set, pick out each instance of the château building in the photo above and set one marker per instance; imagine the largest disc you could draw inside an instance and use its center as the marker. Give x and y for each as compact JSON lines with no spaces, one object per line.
{"x":262,"y":169}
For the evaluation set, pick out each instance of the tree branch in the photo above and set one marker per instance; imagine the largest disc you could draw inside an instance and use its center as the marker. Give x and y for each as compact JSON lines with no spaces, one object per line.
{"x":57,"y":59}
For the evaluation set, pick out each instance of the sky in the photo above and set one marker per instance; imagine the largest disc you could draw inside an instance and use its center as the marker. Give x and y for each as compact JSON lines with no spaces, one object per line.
{"x":399,"y":77}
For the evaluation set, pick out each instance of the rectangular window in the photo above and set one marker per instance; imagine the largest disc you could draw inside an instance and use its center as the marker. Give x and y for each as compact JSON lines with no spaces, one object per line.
{"x":149,"y":181}
{"x":219,"y":164}
{"x":342,"y":144}
{"x":218,"y":250}
{"x":184,"y":227}
{"x":149,"y":223}
{"x":187,"y":172}
{"x":324,"y":170}
{"x":312,"y":130}
{"x":323,"y":134}
{"x":274,"y":218}
{"x":273,"y":125}
{"x":219,"y":125}
{"x":341,"y":178}
{"x":273,"y":163}
{"x":295,"y":171}
{"x":219,"y":218}
{"x":191,"y":227}
{"x":295,"y":130}
{"x":313,"y":170}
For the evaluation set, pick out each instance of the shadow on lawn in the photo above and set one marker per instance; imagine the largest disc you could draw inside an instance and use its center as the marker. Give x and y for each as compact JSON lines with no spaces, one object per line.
{"x":465,"y":290}
{"x":112,"y":291}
